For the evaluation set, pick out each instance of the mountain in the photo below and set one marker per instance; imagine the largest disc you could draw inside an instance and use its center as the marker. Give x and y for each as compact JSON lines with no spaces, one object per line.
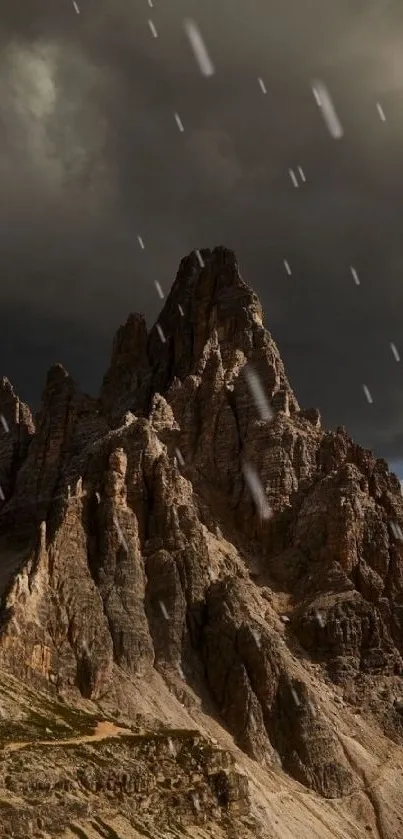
{"x":201,"y":628}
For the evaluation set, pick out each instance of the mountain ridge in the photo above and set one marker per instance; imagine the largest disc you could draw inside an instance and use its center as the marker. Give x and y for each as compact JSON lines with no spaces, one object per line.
{"x":193,"y":549}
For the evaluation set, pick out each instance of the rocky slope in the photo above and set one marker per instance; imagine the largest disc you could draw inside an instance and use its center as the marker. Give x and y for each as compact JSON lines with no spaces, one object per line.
{"x":193,"y":558}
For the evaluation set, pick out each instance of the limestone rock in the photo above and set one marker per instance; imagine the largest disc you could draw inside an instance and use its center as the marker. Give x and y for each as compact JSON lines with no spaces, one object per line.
{"x":16,"y":431}
{"x":136,"y":551}
{"x":67,"y":423}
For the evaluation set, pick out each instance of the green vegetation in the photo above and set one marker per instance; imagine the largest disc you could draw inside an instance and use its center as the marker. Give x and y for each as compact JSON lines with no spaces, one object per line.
{"x":105,"y":830}
{"x":41,"y":717}
{"x":78,"y":832}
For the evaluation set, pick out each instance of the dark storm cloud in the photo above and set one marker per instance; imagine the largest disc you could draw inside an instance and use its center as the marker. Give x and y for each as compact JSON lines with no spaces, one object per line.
{"x":91,"y":156}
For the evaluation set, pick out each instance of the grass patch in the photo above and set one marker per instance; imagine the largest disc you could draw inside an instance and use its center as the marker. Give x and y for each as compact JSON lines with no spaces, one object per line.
{"x":40,"y":712}
{"x":142,"y":830}
{"x":39,"y":727}
{"x":105,"y":830}
{"x":78,"y":832}
{"x":181,"y":733}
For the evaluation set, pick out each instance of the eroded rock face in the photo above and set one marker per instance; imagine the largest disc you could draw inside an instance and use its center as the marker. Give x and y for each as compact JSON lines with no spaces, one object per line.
{"x":67,"y":423}
{"x":144,"y":548}
{"x":16,"y":431}
{"x":260,"y":700}
{"x":127,"y":383}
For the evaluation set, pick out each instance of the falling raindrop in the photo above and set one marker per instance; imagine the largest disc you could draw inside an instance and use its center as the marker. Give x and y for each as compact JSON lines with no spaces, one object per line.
{"x":120,"y":534}
{"x":256,"y":636}
{"x":199,"y":48}
{"x":200,"y":259}
{"x":180,"y":457}
{"x":160,"y":333}
{"x":164,"y":610}
{"x":396,"y":530}
{"x":179,"y":122}
{"x":258,"y":394}
{"x":287,"y":267}
{"x":367,"y":394}
{"x":295,"y":697}
{"x":159,"y":290}
{"x":180,"y":671}
{"x":153,"y":29}
{"x":324,"y":101}
{"x":257,"y":491}
{"x":16,"y":626}
{"x":293,"y":177}
{"x":4,"y":423}
{"x":354,"y":275}
{"x":262,"y":85}
{"x":317,"y":97}
{"x":395,"y":351}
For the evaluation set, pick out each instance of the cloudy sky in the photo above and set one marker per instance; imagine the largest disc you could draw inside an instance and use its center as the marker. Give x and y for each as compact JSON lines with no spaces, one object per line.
{"x":91,"y":157}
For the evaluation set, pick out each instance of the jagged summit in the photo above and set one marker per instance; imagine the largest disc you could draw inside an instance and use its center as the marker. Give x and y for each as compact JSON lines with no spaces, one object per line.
{"x":140,"y":577}
{"x":209,"y":309}
{"x":6,"y":385}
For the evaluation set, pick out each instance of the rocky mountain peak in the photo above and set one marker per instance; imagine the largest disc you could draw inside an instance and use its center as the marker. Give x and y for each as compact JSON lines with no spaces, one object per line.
{"x":128,"y":368}
{"x":209,"y":314}
{"x":6,"y":385}
{"x":194,"y":551}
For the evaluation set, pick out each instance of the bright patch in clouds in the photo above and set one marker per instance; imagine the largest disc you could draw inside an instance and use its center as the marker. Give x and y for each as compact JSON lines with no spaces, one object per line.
{"x":33,"y":79}
{"x":54,"y":131}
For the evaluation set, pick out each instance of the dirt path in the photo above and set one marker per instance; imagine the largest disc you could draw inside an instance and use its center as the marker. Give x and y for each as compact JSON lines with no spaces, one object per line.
{"x":102,"y":731}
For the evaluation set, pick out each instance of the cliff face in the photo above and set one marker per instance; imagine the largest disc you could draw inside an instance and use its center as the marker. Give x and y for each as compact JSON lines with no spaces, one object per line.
{"x":193,"y":534}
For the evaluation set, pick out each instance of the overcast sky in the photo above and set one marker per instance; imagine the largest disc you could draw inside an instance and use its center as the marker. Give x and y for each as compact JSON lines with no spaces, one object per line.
{"x":91,"y":157}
